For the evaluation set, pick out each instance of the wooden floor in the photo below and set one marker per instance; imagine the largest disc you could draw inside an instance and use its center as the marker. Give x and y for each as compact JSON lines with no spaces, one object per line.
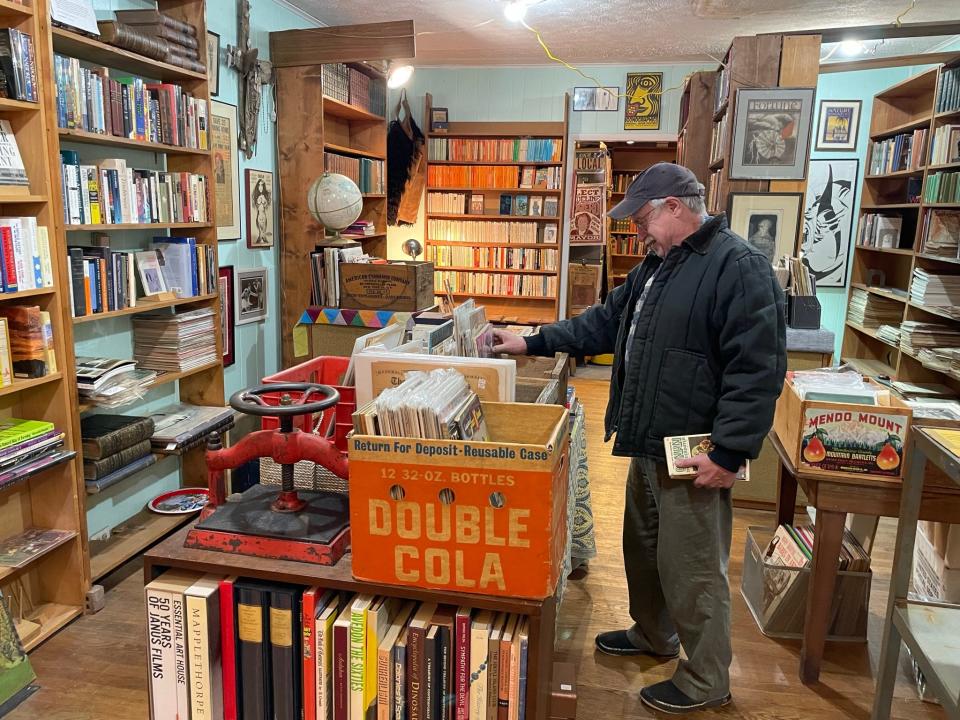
{"x":95,"y":669}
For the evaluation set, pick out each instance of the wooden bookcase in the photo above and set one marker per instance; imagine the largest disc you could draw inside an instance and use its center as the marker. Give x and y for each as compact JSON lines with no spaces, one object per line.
{"x":693,"y":138}
{"x":309,"y":123}
{"x":503,"y":307}
{"x":50,"y":590}
{"x":902,"y":108}
{"x":628,"y":161}
{"x":201,"y":386}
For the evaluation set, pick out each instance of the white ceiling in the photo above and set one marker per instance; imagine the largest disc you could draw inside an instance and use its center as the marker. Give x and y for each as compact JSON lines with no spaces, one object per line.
{"x":475,"y":32}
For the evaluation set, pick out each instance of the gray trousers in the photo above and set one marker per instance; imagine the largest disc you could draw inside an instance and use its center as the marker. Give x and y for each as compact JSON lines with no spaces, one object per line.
{"x":676,"y":546}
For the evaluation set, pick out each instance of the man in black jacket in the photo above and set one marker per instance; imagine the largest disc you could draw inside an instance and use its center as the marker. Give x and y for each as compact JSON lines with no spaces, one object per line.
{"x":698,"y":337}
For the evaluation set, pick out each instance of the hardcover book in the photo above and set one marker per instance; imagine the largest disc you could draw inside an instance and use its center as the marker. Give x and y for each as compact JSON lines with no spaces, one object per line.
{"x":102,"y":483}
{"x":253,"y":649}
{"x":27,"y":346}
{"x":96,"y":469}
{"x":16,"y":673}
{"x":203,"y":648}
{"x":285,"y":660}
{"x":106,"y":434}
{"x":12,"y":170}
{"x":682,"y":447}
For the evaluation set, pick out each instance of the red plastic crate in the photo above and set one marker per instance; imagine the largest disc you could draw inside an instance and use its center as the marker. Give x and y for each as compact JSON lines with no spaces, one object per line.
{"x":325,"y":370}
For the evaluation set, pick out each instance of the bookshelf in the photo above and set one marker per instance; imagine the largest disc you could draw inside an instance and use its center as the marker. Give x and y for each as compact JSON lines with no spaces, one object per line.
{"x":50,"y":589}
{"x":493,"y":263}
{"x":200,"y":386}
{"x":693,"y":138}
{"x":624,"y":248}
{"x":906,"y":109}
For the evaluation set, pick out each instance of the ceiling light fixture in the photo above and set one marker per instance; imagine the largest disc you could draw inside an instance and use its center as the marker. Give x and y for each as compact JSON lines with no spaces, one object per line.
{"x":399,"y":75}
{"x":630,"y":142}
{"x":851,"y":48}
{"x":516,"y":10}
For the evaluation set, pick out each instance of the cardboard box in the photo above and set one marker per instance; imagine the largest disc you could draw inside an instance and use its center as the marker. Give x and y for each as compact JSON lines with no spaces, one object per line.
{"x":324,"y":331}
{"x":555,"y":368}
{"x":945,"y":540}
{"x":477,"y":517}
{"x":839,"y":438}
{"x":932,"y":579}
{"x":403,"y":286}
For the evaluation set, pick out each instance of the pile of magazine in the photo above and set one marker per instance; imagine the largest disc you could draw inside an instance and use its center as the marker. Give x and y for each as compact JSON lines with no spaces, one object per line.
{"x":436,"y":405}
{"x":181,"y":427}
{"x":108,"y":382}
{"x":26,"y":447}
{"x":175,"y":342}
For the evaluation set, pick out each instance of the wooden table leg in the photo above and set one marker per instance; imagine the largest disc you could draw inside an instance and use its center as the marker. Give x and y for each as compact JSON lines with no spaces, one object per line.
{"x":827,"y":539}
{"x":786,"y":495}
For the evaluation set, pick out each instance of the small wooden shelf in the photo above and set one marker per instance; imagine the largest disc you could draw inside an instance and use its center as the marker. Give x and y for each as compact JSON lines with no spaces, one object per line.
{"x":21,"y":384}
{"x":513,"y":191}
{"x":945,"y":166}
{"x":142,"y":308}
{"x":348,"y":112}
{"x":551,"y":299}
{"x":892,"y":251}
{"x":459,"y":243}
{"x":512,"y":271}
{"x":947,"y":114}
{"x":15,"y":11}
{"x":880,"y":292}
{"x":716,"y":164}
{"x":20,"y":199}
{"x":163,"y":378}
{"x":344,"y":150}
{"x":627,"y":255}
{"x":531,"y":218}
{"x":55,"y":616}
{"x":82,"y":136}
{"x":955,"y":206}
{"x":933,"y":310}
{"x":137,"y":226}
{"x":374,"y":196}
{"x":79,"y":46}
{"x":891,"y":206}
{"x":7,"y":573}
{"x":7,"y":105}
{"x":358,"y":238}
{"x":131,"y":538}
{"x":870,"y":332}
{"x":902,"y":128}
{"x":896,"y":174}
{"x":508,"y":163}
{"x":872,"y":368}
{"x":21,"y":294}
{"x":625,"y":232}
{"x":938,"y":258}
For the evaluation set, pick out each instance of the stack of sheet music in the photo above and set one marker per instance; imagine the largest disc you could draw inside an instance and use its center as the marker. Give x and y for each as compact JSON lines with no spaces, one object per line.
{"x":937,"y":289}
{"x":915,"y":336}
{"x":871,"y":310}
{"x":175,"y":342}
{"x":889,"y":334}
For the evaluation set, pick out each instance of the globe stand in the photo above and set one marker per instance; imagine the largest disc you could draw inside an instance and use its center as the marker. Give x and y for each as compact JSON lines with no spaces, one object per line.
{"x":335,"y":240}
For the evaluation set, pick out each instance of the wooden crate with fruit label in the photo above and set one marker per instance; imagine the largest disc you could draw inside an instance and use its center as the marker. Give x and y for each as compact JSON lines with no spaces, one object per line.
{"x":844,"y":438}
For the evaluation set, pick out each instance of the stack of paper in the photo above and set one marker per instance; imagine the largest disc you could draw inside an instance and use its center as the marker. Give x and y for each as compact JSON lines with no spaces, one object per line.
{"x":890,"y":334}
{"x":175,"y":342}
{"x":915,"y":336}
{"x":871,"y":310}
{"x":942,"y":233}
{"x":937,"y":289}
{"x":939,"y":359}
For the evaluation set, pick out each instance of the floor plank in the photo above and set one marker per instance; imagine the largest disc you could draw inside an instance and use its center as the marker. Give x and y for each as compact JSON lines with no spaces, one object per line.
{"x":95,"y":669}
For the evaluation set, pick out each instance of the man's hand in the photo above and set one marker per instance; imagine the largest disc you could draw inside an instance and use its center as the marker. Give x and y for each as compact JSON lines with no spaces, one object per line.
{"x":509,"y":343}
{"x":709,"y":474}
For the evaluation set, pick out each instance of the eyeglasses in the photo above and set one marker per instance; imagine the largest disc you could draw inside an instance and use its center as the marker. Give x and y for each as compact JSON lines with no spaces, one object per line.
{"x":641,"y":221}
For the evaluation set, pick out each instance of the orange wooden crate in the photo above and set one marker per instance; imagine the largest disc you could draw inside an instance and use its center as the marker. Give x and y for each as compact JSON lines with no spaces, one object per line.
{"x":845,"y":438}
{"x":476,"y":517}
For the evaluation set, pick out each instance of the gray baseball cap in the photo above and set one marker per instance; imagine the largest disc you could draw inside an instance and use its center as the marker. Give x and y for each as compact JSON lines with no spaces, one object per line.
{"x":657,"y":181}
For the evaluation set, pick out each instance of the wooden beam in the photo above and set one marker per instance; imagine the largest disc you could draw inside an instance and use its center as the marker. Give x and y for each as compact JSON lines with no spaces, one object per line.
{"x":343,"y":43}
{"x":885,"y":31}
{"x":885,"y":62}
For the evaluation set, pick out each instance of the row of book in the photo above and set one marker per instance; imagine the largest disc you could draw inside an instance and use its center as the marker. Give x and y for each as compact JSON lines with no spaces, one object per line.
{"x":537,"y":286}
{"x":879,"y":231}
{"x":325,"y":272}
{"x":111,"y":193}
{"x":718,"y":140}
{"x":354,"y":87}
{"x":26,"y":447}
{"x":942,"y":187}
{"x":26,"y":343}
{"x":155,"y":34}
{"x":625,"y":225}
{"x":872,"y":311}
{"x":18,"y":66}
{"x":236,"y":648}
{"x":493,"y":258}
{"x":450,"y":203}
{"x":945,"y":146}
{"x":128,"y":106}
{"x":175,"y":342}
{"x":948,"y":92}
{"x":627,"y":245}
{"x":722,"y":87}
{"x":936,"y":289}
{"x":365,"y":172}
{"x":495,"y":150}
{"x":25,"y":262}
{"x":476,"y":176}
{"x":485,"y":231}
{"x":714,"y":194}
{"x":622,"y":180}
{"x":941,"y":233}
{"x":901,"y":152}
{"x":532,"y":206}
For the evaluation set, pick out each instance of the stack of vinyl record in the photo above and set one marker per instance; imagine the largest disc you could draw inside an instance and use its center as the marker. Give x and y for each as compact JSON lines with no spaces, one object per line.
{"x":175,"y":342}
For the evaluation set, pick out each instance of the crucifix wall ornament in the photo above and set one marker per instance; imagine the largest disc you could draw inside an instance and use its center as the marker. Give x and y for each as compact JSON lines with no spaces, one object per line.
{"x":253,"y":73}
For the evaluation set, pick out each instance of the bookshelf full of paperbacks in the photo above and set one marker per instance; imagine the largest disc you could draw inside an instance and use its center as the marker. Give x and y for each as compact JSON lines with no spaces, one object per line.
{"x":902,"y":320}
{"x":136,"y":180}
{"x":43,"y":574}
{"x":494,"y":214}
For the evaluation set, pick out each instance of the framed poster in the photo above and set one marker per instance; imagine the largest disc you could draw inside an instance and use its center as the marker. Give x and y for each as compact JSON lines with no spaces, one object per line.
{"x":251,"y":295}
{"x":770,"y":222}
{"x":225,"y":289}
{"x":771,"y":133}
{"x":644,"y":92}
{"x":839,"y":124}
{"x":213,"y":63}
{"x":589,"y":206}
{"x":260,"y":209}
{"x":596,"y":99}
{"x":828,"y":212}
{"x":226,"y":169}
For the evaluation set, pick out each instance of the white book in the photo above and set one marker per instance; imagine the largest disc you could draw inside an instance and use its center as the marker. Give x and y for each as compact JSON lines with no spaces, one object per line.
{"x":120,"y":166}
{"x":46,"y":261}
{"x":176,"y":265}
{"x":28,"y":225}
{"x":12,"y":170}
{"x":323,"y":647}
{"x":479,"y":648}
{"x":85,"y":191}
{"x":73,"y":301}
{"x":22,"y":255}
{"x":203,"y":646}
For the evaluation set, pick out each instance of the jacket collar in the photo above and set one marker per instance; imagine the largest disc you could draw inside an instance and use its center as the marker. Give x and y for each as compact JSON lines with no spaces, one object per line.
{"x":700,"y":241}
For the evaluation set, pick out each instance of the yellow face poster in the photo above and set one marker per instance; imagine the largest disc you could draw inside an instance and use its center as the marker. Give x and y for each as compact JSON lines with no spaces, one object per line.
{"x":643,"y":101}
{"x":226,"y":169}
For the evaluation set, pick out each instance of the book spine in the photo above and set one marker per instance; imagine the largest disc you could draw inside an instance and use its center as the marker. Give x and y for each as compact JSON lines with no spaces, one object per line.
{"x":399,"y":682}
{"x":415,"y":670}
{"x":161,"y":654}
{"x":493,"y":677}
{"x":10,"y":277}
{"x":309,"y":656}
{"x":285,"y":655}
{"x":198,"y":646}
{"x":384,"y":683}
{"x":358,"y":656}
{"x":429,"y":690}
{"x":252,"y":659}
{"x":341,"y":673}
{"x":93,"y":469}
{"x":228,"y":656}
{"x":46,"y":261}
{"x":6,"y":361}
{"x":180,"y":654}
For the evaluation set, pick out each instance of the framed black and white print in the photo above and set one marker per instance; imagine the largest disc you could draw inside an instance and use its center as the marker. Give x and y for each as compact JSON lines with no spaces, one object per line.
{"x":828,"y":212}
{"x":596,"y":99}
{"x":251,"y":295}
{"x":839,"y":125}
{"x":213,"y":63}
{"x":769,"y":222}
{"x":771,"y":133}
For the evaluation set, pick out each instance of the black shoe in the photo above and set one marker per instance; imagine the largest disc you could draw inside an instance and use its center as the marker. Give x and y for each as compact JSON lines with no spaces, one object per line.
{"x":617,"y":642}
{"x":668,"y":698}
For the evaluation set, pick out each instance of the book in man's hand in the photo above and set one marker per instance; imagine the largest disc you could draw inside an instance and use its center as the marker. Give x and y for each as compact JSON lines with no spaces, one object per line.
{"x":681,"y":447}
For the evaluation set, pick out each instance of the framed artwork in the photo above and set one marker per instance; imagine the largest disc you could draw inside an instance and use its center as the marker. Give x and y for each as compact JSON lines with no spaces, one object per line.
{"x":550,"y":206}
{"x":439,"y":119}
{"x":536,"y":206}
{"x":839,"y":124}
{"x":828,"y":212}
{"x":260,"y":209}
{"x":521,"y":205}
{"x":225,"y":289}
{"x":589,"y":206}
{"x":644,"y":92}
{"x":771,"y":133}
{"x":770,"y":222}
{"x":596,"y":99}
{"x":213,"y":63}
{"x":550,"y":234}
{"x":226,"y":169}
{"x":251,"y":295}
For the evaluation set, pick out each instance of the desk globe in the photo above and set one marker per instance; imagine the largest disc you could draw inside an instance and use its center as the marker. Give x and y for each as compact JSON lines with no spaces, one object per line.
{"x":335,"y":202}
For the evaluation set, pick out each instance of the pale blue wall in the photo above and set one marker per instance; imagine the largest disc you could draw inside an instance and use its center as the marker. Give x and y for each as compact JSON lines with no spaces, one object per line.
{"x":257,"y":344}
